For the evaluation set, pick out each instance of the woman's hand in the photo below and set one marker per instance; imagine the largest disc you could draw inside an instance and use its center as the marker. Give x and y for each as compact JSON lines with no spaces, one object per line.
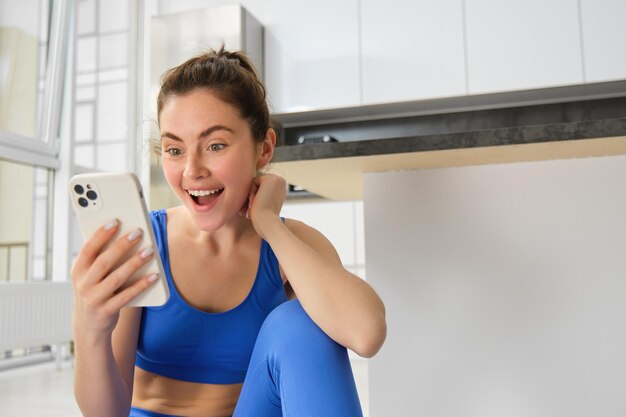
{"x":266,"y":199}
{"x":96,"y":279}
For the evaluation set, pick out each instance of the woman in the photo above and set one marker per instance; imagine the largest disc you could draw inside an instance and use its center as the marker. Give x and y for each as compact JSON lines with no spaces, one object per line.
{"x":231,"y":264}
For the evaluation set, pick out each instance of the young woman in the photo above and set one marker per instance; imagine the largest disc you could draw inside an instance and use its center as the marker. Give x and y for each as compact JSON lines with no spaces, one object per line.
{"x":228,"y":341}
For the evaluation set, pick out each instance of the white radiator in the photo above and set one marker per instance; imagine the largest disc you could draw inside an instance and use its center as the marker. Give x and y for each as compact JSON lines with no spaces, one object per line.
{"x":35,"y":314}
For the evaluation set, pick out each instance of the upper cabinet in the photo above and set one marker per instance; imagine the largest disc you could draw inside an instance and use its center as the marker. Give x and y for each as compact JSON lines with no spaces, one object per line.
{"x":604,"y":37}
{"x":311,"y":54}
{"x":412,"y":50}
{"x":518,"y":45}
{"x":331,"y":54}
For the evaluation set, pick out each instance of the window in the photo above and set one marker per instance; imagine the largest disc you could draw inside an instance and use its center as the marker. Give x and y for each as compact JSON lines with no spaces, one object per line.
{"x":25,"y":197}
{"x":102,"y":86}
{"x":68,"y":71}
{"x":23,"y":60}
{"x":68,"y":104}
{"x":31,"y":51}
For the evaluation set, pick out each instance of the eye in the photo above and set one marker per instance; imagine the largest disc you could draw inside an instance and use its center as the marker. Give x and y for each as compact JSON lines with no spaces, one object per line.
{"x":216,"y":147}
{"x":173,"y":151}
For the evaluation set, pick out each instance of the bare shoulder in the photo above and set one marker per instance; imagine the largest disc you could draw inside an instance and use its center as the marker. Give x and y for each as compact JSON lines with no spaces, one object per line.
{"x":315,"y":239}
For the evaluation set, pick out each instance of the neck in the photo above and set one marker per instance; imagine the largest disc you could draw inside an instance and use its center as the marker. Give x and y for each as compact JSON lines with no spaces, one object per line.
{"x":227,"y":237}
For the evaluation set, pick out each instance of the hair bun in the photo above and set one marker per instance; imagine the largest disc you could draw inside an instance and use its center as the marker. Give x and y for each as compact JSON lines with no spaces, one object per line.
{"x":231,"y":76}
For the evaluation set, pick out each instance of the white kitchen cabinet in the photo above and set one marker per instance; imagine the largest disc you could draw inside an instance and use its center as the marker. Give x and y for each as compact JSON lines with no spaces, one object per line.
{"x":604,"y":37}
{"x":412,"y":50}
{"x":311,"y":54}
{"x":518,"y":45}
{"x":335,"y":220}
{"x":163,"y":7}
{"x":359,"y":225}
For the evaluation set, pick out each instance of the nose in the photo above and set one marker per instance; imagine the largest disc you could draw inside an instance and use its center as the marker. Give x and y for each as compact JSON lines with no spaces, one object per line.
{"x":195,"y":166}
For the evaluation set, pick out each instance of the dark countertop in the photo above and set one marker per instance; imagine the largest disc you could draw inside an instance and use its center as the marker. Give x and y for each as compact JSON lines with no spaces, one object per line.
{"x":463,"y":134}
{"x":513,"y":125}
{"x":461,"y":140}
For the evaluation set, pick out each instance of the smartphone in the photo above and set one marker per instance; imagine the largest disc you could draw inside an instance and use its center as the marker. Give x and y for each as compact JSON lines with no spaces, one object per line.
{"x":99,"y":198}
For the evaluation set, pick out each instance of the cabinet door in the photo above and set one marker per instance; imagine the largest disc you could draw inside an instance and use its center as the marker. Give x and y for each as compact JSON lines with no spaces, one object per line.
{"x":334,"y":219}
{"x":311,"y":54}
{"x":604,"y":39}
{"x":412,"y":49}
{"x":522,"y":44}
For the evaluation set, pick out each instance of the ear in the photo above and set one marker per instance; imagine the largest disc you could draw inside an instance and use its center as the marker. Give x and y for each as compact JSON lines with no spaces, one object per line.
{"x":265,"y":149}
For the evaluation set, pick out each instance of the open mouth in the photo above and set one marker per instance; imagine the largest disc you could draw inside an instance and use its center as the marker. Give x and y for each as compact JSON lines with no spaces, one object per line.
{"x":204,"y":197}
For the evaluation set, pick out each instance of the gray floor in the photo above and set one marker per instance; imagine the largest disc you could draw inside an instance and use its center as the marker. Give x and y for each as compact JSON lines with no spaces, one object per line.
{"x":43,"y":391}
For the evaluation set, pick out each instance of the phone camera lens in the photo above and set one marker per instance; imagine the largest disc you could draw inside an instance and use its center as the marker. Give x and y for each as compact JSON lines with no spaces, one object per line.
{"x":91,"y":194}
{"x":83,"y":202}
{"x":79,"y":189}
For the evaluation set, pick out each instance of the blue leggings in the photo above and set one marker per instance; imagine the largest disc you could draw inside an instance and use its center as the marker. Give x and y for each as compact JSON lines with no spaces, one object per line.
{"x":296,"y":370}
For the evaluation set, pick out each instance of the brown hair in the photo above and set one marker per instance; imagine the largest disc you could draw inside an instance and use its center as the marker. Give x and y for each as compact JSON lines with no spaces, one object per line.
{"x":230,"y":76}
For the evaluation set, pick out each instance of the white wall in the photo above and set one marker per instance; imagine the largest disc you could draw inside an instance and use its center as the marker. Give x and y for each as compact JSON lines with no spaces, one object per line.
{"x":505,"y":289}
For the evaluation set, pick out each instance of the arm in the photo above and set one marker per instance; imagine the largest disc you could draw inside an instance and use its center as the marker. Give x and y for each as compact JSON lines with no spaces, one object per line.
{"x":105,"y":337}
{"x":344,"y":306}
{"x":103,"y":377}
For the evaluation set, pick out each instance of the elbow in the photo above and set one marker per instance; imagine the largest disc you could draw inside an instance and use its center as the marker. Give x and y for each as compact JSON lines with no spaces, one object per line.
{"x":369,"y":345}
{"x":367,"y":351}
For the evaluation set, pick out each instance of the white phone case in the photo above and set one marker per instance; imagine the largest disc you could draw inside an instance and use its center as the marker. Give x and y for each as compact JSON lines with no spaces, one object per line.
{"x":99,"y":198}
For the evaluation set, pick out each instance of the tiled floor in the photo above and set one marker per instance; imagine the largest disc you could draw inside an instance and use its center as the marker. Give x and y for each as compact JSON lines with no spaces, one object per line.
{"x":44,"y":391}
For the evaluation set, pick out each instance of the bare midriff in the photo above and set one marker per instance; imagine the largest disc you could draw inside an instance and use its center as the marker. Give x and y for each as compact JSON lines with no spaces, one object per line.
{"x":171,"y":396}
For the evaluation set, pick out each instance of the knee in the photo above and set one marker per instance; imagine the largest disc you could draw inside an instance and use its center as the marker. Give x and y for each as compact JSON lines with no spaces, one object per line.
{"x":290,"y":326}
{"x":287,"y":312}
{"x":287,"y":318}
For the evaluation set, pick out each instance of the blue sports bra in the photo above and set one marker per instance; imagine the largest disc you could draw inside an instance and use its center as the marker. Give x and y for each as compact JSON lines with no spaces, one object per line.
{"x":179,"y":341}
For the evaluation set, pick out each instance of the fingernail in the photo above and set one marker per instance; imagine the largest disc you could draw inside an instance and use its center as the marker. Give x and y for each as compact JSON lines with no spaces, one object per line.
{"x":146,"y":252}
{"x":135,"y":234}
{"x":110,"y":225}
{"x":153,"y":277}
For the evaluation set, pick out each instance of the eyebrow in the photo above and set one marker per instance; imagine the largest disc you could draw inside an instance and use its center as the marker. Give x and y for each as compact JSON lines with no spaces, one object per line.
{"x":202,"y":134}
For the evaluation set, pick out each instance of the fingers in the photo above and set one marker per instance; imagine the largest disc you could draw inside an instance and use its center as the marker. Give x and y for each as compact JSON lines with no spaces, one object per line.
{"x":92,"y":247}
{"x":102,"y":268}
{"x":270,"y":189}
{"x":120,"y":276}
{"x":122,"y":298}
{"x":251,"y":195}
{"x":97,"y":282}
{"x":110,"y":258}
{"x":245,"y":209}
{"x":110,"y":307}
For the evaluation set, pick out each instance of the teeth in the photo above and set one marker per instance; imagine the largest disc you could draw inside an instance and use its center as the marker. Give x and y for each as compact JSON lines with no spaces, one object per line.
{"x":201,"y":193}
